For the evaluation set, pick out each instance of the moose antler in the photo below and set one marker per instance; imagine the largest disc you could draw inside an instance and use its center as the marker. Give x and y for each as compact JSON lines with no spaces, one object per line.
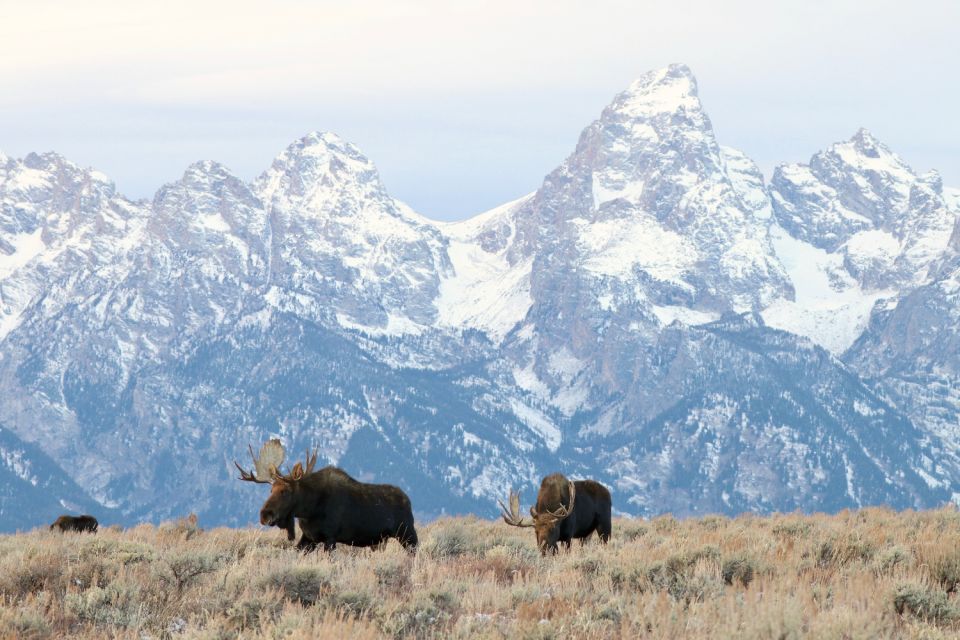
{"x":265,"y":466}
{"x":311,"y":461}
{"x":563,"y":511}
{"x":300,"y":469}
{"x":512,"y":516}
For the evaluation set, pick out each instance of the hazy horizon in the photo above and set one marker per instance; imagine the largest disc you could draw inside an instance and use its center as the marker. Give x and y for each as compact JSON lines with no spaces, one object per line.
{"x":461,"y":107}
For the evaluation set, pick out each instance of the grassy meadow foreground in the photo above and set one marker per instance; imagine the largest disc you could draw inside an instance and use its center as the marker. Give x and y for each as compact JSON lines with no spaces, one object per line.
{"x":863,"y":574}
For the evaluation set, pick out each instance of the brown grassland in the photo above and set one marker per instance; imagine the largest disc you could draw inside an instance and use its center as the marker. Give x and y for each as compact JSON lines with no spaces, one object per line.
{"x":859,"y":574}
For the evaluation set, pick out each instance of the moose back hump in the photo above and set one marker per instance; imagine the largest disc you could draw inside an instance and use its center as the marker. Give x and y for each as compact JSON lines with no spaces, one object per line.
{"x":85,"y":523}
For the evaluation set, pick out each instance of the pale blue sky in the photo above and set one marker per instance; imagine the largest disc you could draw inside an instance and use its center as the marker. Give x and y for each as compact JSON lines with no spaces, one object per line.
{"x":462,"y":105}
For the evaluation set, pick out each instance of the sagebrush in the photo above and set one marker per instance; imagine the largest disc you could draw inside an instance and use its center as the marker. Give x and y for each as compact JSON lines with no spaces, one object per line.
{"x":860,"y":574}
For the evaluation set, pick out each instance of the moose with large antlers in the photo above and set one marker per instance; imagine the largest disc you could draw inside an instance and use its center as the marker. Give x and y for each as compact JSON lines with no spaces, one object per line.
{"x":564,"y":510}
{"x":331,"y":506}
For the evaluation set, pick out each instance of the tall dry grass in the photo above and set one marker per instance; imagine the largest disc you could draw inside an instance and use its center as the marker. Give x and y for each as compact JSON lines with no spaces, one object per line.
{"x":860,"y":574}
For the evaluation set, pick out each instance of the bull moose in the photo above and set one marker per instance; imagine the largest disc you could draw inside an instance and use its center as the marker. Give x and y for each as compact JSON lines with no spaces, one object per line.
{"x":330,"y":505}
{"x":75,"y":523}
{"x":564,"y":510}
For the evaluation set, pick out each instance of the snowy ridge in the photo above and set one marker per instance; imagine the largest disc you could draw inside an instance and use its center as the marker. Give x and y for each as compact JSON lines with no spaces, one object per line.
{"x":860,"y":200}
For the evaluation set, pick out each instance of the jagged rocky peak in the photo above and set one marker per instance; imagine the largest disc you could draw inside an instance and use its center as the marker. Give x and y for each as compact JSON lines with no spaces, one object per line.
{"x":206,"y":172}
{"x":649,"y":195}
{"x":851,"y":186}
{"x":321,"y":174}
{"x":53,"y":180}
{"x":209,"y":199}
{"x":667,"y":90}
{"x":338,"y":237}
{"x":860,"y":198}
{"x":651,"y":144}
{"x":45,"y":200}
{"x":864,"y":158}
{"x":867,"y":145}
{"x":202,"y":181}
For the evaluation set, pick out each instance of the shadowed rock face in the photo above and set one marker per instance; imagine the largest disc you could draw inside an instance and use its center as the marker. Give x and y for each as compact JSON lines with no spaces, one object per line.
{"x":912,"y":351}
{"x":651,"y":316}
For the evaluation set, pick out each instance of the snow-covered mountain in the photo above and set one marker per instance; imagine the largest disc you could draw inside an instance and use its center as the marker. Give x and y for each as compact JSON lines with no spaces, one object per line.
{"x":912,"y":349}
{"x":856,"y":226}
{"x":652,"y":315}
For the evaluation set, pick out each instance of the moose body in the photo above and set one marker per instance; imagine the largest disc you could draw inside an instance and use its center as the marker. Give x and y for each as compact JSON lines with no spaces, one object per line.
{"x":591,"y":511}
{"x":331,"y":506}
{"x":564,"y":511}
{"x":75,"y":523}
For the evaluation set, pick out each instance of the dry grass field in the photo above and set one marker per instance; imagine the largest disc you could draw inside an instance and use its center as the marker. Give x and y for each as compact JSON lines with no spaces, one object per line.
{"x":862,"y":574}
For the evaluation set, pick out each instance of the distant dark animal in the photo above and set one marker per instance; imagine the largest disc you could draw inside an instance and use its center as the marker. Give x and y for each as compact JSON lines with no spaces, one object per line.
{"x":330,"y":506}
{"x":565,"y":510}
{"x":75,"y":523}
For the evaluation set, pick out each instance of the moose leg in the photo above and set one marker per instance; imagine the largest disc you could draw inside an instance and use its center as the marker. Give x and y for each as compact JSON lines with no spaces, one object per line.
{"x":407,"y":536}
{"x":603,"y":531}
{"x":306,"y":545}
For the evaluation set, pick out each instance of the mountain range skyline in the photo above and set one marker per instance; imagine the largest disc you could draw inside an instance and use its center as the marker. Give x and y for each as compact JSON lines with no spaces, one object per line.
{"x":656,"y":315}
{"x":463,"y":106}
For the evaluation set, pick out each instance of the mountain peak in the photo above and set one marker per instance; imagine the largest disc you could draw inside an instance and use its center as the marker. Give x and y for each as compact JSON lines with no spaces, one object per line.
{"x":665,"y":90}
{"x":325,"y":152}
{"x":38,"y":169}
{"x":323,"y":169}
{"x":322,"y":144}
{"x":867,"y":144}
{"x":203,"y":176}
{"x":207,"y":169}
{"x":864,"y":150}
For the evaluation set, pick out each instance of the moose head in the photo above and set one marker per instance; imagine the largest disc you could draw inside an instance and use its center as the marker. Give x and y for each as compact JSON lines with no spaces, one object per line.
{"x":279,"y":508}
{"x":545,"y":522}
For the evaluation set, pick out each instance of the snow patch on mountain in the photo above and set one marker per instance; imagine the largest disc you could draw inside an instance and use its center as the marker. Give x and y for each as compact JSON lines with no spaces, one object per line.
{"x":617,"y":247}
{"x":25,"y":247}
{"x":952,"y":198}
{"x":19,"y":465}
{"x":674,"y":313}
{"x":484,"y":290}
{"x":666,"y":90}
{"x":538,"y":422}
{"x":830,"y":307}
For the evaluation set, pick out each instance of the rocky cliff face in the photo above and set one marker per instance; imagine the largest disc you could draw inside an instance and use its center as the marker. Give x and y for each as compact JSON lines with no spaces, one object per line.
{"x":653,"y":315}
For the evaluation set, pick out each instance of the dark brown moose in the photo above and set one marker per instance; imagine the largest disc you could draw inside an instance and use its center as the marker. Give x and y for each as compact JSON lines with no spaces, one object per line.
{"x":564,"y":510}
{"x":330,"y":506}
{"x":75,"y":523}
